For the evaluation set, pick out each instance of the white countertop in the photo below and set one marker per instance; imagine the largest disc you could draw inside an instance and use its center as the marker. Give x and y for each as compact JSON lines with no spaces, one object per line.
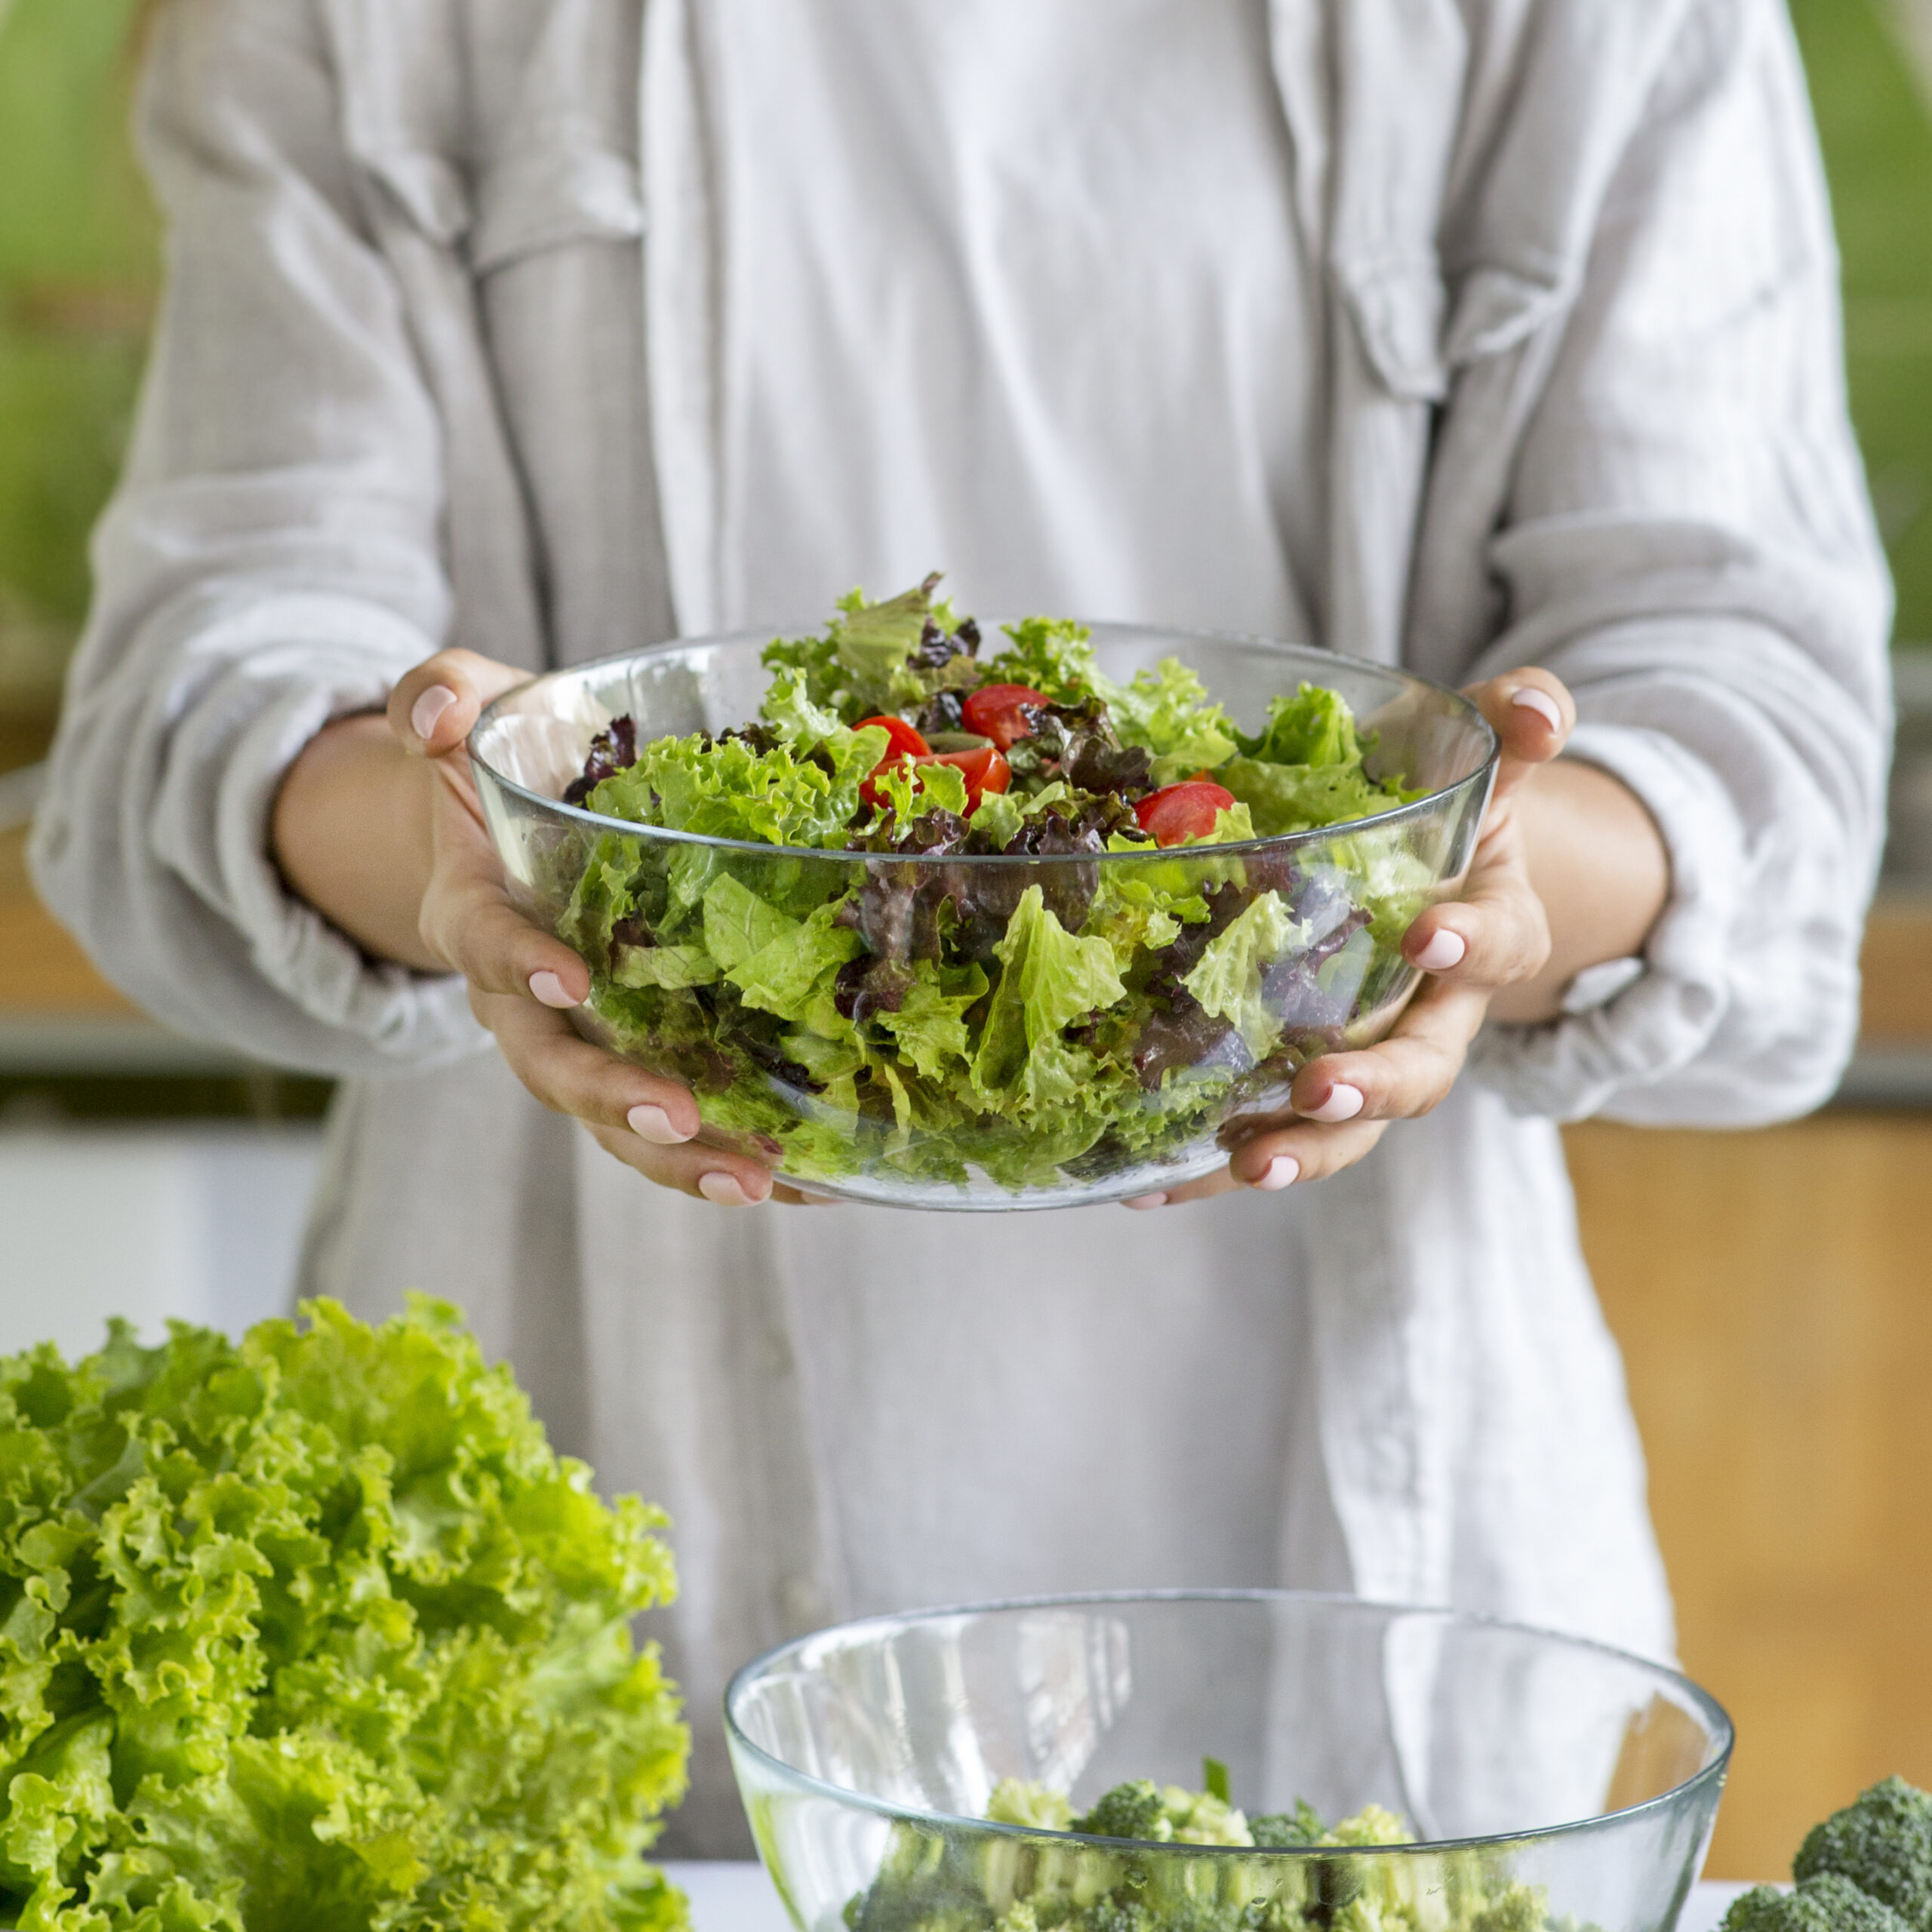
{"x":738,"y":1898}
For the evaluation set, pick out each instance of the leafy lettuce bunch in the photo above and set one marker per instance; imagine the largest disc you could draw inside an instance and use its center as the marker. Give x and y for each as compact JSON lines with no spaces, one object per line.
{"x":317,"y":1634}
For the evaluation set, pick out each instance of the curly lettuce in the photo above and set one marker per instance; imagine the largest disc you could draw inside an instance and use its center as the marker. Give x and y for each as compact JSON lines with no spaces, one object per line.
{"x":316,"y":1633}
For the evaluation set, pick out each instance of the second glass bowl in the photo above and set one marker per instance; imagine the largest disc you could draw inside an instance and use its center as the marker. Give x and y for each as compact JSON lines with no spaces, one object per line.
{"x":862,"y":1100}
{"x":1553,"y":1785}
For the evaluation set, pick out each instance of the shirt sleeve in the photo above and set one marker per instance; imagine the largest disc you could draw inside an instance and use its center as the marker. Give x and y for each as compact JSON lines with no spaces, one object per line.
{"x":271,"y":561}
{"x":1689,"y":546}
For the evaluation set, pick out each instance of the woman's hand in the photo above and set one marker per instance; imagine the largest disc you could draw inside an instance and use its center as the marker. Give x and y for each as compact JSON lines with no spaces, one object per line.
{"x":1575,"y":836}
{"x":378,"y":826}
{"x":523,"y":982}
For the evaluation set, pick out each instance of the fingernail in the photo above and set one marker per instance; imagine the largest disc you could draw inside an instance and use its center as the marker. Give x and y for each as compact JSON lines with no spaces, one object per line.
{"x":548,"y":988}
{"x":1343,"y":1103}
{"x":1445,"y":949}
{"x":1284,"y":1171}
{"x":1146,"y":1201}
{"x":653,"y":1123}
{"x":1541,"y":702}
{"x":430,"y":707}
{"x":724,"y":1190}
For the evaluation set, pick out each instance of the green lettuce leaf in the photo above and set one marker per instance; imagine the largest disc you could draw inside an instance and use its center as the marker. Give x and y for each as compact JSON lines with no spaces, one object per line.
{"x":728,"y":789}
{"x":906,"y":790}
{"x":1167,"y":710}
{"x":1315,"y":726}
{"x":871,"y":641}
{"x":860,"y":667}
{"x":1054,"y":655}
{"x":1051,"y":978}
{"x":738,"y":922}
{"x":930,"y":1027}
{"x":1227,"y":980}
{"x":791,"y":973}
{"x":787,"y":707}
{"x":1301,"y":798}
{"x":664,"y":966}
{"x":1000,"y":814}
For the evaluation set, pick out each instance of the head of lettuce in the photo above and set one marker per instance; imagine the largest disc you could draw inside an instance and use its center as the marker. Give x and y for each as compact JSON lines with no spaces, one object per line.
{"x":317,"y":1633}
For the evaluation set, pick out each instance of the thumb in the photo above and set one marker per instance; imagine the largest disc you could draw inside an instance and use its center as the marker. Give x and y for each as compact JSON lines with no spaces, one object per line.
{"x":1533,"y":714}
{"x":434,"y":707}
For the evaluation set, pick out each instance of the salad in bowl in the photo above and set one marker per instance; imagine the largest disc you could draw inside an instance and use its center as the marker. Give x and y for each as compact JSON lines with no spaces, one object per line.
{"x":939,"y":916}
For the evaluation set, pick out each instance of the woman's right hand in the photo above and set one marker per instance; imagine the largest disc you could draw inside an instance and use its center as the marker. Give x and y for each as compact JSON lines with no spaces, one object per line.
{"x":523,"y":982}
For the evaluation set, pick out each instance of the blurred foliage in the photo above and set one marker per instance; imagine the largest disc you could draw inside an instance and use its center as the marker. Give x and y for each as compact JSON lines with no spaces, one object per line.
{"x":79,"y":267}
{"x":29,"y":1100}
{"x":1876,"y":126}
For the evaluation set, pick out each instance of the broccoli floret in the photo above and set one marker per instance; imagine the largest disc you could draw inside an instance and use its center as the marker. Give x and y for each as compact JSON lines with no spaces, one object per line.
{"x":1131,"y":1810}
{"x":1883,"y":1843}
{"x":1371,"y":1825}
{"x":1118,"y":1915}
{"x":1521,"y":1908}
{"x":1827,"y":1904}
{"x":1199,"y":1817}
{"x":1275,"y":1831}
{"x":1019,"y":1801}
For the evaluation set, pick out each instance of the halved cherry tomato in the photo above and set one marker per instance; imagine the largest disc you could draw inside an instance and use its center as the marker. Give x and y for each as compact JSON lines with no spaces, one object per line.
{"x":984,"y":770}
{"x":903,"y":741}
{"x":1179,"y":812}
{"x":997,"y":712}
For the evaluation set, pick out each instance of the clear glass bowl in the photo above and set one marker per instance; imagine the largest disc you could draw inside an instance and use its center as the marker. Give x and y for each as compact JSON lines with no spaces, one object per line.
{"x":787,"y":1096}
{"x":1551,"y":1781}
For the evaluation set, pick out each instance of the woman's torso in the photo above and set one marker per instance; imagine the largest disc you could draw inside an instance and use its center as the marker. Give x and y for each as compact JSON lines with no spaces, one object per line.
{"x":847,"y":1409}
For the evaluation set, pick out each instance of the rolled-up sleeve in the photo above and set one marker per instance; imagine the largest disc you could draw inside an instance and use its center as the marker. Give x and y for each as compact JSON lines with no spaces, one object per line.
{"x":1689,"y":546}
{"x":271,"y":561}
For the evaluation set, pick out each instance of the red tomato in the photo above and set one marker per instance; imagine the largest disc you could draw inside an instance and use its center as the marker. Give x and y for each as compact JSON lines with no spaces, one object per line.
{"x":984,"y":771}
{"x":1186,"y":810}
{"x":996,"y":712}
{"x":902,"y":740}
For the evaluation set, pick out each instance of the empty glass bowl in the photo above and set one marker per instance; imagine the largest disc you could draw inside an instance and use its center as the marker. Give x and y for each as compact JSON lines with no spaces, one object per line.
{"x":1551,"y":1782}
{"x":943,"y":1101}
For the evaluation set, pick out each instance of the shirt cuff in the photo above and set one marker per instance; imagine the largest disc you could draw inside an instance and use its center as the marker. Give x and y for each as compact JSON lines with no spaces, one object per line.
{"x":1574,"y":1066}
{"x":152,"y":844}
{"x":397,"y":1018}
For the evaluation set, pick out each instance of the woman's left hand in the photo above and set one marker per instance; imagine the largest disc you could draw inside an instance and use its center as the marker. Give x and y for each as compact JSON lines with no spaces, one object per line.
{"x":1496,"y":936}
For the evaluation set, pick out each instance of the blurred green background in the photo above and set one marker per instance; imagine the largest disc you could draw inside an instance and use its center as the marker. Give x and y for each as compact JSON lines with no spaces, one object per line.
{"x":79,"y":260}
{"x":78,"y":265}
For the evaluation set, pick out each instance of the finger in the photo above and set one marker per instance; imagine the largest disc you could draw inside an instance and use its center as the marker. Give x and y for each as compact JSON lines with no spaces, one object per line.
{"x":571,"y":1076}
{"x":792,"y":1197}
{"x":1219,"y":1182}
{"x":468,"y":922}
{"x":1533,"y":714}
{"x":1407,"y":1074}
{"x":1273,"y":1156}
{"x":705,"y":1174}
{"x":433,"y":707}
{"x":1495,"y":935}
{"x":646,"y":1122}
{"x":1290,"y":1156}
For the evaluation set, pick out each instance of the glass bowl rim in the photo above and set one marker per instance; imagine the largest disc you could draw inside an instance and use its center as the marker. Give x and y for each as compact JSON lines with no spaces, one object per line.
{"x":1718,"y":1718}
{"x":1279,"y":842}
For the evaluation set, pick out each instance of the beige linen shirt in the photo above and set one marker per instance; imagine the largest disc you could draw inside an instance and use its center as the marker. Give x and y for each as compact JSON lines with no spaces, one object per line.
{"x":441,"y":363}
